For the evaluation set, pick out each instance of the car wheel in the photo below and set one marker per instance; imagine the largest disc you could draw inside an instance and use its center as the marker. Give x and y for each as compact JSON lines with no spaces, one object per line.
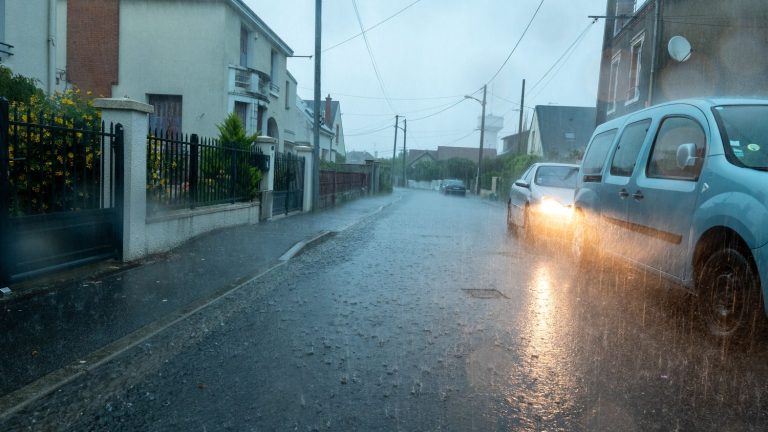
{"x":583,"y":246}
{"x":729,"y":293}
{"x":511,"y":229}
{"x":528,"y":230}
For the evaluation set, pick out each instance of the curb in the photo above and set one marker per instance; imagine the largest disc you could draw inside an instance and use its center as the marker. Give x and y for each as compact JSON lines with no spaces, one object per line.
{"x":302,"y":245}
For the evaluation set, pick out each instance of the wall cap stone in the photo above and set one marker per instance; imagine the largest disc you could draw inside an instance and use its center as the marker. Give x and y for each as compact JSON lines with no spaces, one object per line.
{"x":124,"y":104}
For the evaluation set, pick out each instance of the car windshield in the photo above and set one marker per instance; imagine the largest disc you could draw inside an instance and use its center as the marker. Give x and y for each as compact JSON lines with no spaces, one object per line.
{"x":557,"y":176}
{"x":454,"y":183}
{"x":745,"y":134}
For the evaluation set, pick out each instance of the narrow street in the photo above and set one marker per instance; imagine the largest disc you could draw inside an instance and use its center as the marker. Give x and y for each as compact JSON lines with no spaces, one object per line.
{"x":425,"y":316}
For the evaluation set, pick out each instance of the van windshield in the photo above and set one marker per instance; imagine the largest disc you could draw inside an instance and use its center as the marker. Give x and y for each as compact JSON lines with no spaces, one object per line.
{"x":745,"y":134}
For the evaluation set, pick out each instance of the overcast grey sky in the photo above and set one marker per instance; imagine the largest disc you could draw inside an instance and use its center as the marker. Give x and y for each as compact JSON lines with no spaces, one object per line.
{"x":432,"y":54}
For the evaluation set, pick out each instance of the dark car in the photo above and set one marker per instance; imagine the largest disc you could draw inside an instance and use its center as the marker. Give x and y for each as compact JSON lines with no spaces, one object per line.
{"x":454,"y":187}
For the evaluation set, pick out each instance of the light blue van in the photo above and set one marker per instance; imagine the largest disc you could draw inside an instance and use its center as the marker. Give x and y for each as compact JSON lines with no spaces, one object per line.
{"x":681,"y":189}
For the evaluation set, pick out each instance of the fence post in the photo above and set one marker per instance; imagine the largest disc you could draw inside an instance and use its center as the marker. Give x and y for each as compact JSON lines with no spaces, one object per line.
{"x":232,"y":175}
{"x":194,"y":160}
{"x":5,"y":233}
{"x":134,"y":118}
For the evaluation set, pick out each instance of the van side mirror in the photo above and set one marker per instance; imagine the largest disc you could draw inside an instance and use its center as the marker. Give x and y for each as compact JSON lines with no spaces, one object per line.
{"x":523,"y":184}
{"x":686,"y":155}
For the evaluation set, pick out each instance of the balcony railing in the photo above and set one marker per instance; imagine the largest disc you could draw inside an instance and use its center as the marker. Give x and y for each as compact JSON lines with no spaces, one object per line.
{"x":248,"y":81}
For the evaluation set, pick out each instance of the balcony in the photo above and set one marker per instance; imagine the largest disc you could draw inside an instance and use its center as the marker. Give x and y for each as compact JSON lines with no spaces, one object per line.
{"x":248,"y":82}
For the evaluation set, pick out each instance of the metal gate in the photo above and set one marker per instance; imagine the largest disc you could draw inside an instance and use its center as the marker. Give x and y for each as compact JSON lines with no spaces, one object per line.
{"x":61,"y":195}
{"x":288,"y":192}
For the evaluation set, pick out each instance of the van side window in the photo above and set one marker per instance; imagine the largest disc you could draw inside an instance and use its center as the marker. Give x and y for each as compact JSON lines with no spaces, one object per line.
{"x":595,"y":158}
{"x":630,"y":143}
{"x":675,"y":131}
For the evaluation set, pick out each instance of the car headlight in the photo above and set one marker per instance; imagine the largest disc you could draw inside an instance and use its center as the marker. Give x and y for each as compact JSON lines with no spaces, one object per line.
{"x":553,"y":207}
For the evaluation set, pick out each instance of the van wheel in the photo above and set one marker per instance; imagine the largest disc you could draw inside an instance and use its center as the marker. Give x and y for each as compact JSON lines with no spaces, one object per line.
{"x":582,"y":242}
{"x":729,"y":294}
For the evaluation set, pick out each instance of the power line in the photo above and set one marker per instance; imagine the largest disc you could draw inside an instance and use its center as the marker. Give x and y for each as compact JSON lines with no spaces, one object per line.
{"x":572,"y":45}
{"x":373,"y":59}
{"x":402,"y":113}
{"x":371,"y":27}
{"x":536,"y":12}
{"x":392,"y":98}
{"x":438,"y":112}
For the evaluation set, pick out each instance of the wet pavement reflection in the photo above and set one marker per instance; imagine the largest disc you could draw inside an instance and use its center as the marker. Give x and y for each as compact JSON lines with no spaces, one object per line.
{"x":428,"y":317}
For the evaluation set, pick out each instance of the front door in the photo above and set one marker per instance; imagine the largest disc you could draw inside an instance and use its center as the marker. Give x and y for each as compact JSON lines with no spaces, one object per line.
{"x":663,"y":196}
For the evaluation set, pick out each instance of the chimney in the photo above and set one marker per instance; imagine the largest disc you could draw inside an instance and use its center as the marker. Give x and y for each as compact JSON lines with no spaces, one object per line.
{"x":328,"y":110}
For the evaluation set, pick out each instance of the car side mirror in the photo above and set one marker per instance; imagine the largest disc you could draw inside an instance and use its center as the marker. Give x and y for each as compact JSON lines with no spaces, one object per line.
{"x":686,"y":155}
{"x":522,"y":184}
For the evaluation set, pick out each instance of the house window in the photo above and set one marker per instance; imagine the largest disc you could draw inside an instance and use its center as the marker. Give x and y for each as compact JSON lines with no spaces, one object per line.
{"x":243,"y":46}
{"x":337,"y":134}
{"x":273,"y":65}
{"x":639,"y":4}
{"x":241,"y":109}
{"x":613,"y":82}
{"x":636,"y":53}
{"x":167,"y":114}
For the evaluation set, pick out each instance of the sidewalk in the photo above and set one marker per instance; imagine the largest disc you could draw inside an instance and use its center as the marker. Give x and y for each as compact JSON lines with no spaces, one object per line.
{"x":44,"y":331}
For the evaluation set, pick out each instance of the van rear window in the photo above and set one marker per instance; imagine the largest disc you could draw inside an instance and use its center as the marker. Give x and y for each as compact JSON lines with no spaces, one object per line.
{"x":596,"y":153}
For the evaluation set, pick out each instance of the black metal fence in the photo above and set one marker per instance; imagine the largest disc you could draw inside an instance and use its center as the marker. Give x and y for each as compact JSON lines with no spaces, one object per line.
{"x":186,"y":171}
{"x":61,"y":194}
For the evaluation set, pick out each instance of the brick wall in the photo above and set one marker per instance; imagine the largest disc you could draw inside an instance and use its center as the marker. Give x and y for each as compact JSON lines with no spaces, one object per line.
{"x":93,"y":45}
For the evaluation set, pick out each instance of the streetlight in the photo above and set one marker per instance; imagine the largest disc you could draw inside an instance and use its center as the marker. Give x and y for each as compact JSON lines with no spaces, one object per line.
{"x":482,"y":136}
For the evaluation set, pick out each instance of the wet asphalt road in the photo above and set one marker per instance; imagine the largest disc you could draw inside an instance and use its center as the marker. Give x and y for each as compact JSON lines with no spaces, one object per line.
{"x":376,"y":329}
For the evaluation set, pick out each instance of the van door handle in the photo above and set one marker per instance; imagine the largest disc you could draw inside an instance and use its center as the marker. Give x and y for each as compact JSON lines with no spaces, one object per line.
{"x":623,"y":193}
{"x":638,"y":195}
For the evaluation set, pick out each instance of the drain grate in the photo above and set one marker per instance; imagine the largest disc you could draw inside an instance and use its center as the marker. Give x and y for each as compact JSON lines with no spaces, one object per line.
{"x":485,"y":293}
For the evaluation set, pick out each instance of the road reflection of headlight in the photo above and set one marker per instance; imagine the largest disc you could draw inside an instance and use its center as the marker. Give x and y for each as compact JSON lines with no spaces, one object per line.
{"x":551,"y":207}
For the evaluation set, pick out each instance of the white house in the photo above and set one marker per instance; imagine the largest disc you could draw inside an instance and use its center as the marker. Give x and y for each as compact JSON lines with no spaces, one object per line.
{"x":330,"y":150}
{"x":29,"y":41}
{"x":304,"y":129}
{"x":194,"y":61}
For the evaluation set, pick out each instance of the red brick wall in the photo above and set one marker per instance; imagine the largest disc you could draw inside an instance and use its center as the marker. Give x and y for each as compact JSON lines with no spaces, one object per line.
{"x":93,"y":44}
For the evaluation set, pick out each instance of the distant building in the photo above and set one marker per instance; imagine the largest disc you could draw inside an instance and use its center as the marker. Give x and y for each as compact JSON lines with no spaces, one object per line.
{"x":332,"y":120}
{"x":444,"y":153}
{"x":358,"y":157}
{"x":560,"y":132}
{"x":728,"y":44}
{"x":515,"y":144}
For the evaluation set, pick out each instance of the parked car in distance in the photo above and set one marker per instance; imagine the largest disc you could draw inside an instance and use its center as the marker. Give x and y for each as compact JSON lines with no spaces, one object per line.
{"x":454,"y":187}
{"x":679,"y":190}
{"x":541,"y":201}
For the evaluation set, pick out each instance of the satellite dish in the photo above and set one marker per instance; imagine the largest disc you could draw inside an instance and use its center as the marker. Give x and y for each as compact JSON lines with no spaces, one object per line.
{"x":679,"y":48}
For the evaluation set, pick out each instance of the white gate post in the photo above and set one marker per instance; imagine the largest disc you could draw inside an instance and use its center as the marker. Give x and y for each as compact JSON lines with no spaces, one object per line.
{"x":306,"y":152}
{"x":134,"y":117}
{"x":268,"y":146}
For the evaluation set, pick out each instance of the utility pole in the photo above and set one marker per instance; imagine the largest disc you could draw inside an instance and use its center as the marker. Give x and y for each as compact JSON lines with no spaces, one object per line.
{"x":482,"y":137}
{"x":316,"y":110}
{"x":520,"y":124}
{"x":394,"y":152}
{"x":405,"y":151}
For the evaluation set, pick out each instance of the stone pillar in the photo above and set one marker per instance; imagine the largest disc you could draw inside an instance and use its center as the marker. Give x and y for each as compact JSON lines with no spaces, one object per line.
{"x":134,"y":117}
{"x":268,"y":146}
{"x":306,"y":152}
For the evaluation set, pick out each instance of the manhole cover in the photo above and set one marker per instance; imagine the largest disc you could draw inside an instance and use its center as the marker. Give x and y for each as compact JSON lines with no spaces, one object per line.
{"x":485,"y":293}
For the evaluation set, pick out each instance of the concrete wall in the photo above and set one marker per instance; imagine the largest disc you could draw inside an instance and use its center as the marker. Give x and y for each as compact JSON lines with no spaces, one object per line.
{"x":26,"y":28}
{"x":174,"y":48}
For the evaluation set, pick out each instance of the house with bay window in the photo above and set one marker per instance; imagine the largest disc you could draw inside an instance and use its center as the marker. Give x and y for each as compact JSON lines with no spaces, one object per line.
{"x":194,"y":61}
